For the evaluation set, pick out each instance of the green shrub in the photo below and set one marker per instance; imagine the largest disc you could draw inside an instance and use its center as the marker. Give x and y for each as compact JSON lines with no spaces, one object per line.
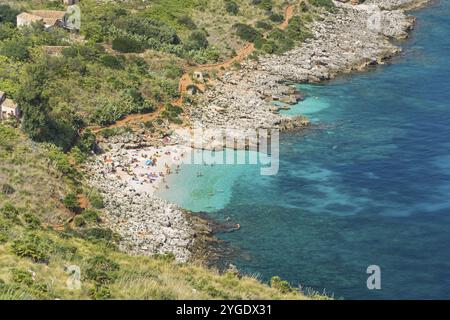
{"x":197,"y":40}
{"x":281,"y":285}
{"x":100,"y":292}
{"x":112,"y":62}
{"x":108,"y":112}
{"x":96,"y":200}
{"x":280,"y":42}
{"x":263,"y":4}
{"x":149,"y":30}
{"x":263,"y":25}
{"x":60,"y":161}
{"x":246,"y":32}
{"x":31,"y":221}
{"x":267,"y":48}
{"x":173,"y":71}
{"x":327,"y":4}
{"x":100,"y":234}
{"x":148,"y":124}
{"x":70,"y":52}
{"x":168,"y":256}
{"x":14,"y":49}
{"x":297,"y":30}
{"x":9,"y":212}
{"x":79,"y":221}
{"x":5,"y":227}
{"x":7,"y":189}
{"x":187,"y":22}
{"x":101,"y":269}
{"x":91,"y":216}
{"x":275,"y":17}
{"x":14,"y":292}
{"x":172,"y":112}
{"x":175,"y":110}
{"x":7,"y":14}
{"x":231,"y":7}
{"x":22,"y":277}
{"x":176,"y":121}
{"x":7,"y":31}
{"x":33,"y":246}
{"x":79,"y":156}
{"x":127,"y":45}
{"x":63,"y":250}
{"x":70,"y":201}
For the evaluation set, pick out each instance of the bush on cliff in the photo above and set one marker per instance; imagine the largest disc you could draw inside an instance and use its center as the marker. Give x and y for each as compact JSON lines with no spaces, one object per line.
{"x":246,"y":32}
{"x":327,"y":4}
{"x":127,"y":45}
{"x":231,"y":7}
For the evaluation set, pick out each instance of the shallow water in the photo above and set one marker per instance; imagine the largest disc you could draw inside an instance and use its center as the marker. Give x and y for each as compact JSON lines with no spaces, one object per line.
{"x":371,"y":187}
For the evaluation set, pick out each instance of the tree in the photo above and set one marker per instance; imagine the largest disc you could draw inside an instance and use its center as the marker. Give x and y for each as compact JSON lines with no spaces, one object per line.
{"x":7,"y":31}
{"x":7,"y":14}
{"x":246,"y":32}
{"x":32,"y":102}
{"x":232,"y":7}
{"x":197,"y":40}
{"x":15,"y":49}
{"x":126,"y":45}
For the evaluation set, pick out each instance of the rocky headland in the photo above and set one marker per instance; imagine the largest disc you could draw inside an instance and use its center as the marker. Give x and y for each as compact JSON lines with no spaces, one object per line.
{"x":349,"y":39}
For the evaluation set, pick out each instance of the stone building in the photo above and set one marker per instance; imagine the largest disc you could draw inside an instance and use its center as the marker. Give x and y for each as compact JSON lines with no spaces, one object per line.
{"x":8,"y":109}
{"x":50,"y":18}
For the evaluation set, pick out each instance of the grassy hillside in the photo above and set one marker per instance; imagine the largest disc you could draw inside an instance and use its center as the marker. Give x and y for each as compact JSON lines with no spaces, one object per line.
{"x":45,"y":230}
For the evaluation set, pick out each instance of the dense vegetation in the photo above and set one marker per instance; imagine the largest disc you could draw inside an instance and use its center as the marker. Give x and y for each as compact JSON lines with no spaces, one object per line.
{"x":128,"y":57}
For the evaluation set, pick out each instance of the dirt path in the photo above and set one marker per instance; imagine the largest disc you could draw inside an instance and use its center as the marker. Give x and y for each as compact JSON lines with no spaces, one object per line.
{"x":288,"y":13}
{"x":186,"y":80}
{"x":241,"y":55}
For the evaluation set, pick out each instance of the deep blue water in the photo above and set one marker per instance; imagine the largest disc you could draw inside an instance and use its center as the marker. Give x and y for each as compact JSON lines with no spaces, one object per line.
{"x":372,"y":186}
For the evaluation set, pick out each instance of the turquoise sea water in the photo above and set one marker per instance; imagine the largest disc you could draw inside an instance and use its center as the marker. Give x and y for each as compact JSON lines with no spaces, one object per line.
{"x":369,"y":185}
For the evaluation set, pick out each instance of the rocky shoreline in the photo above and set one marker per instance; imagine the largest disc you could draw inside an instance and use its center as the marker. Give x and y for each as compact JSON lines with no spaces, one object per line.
{"x":348,"y":40}
{"x":147,"y":224}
